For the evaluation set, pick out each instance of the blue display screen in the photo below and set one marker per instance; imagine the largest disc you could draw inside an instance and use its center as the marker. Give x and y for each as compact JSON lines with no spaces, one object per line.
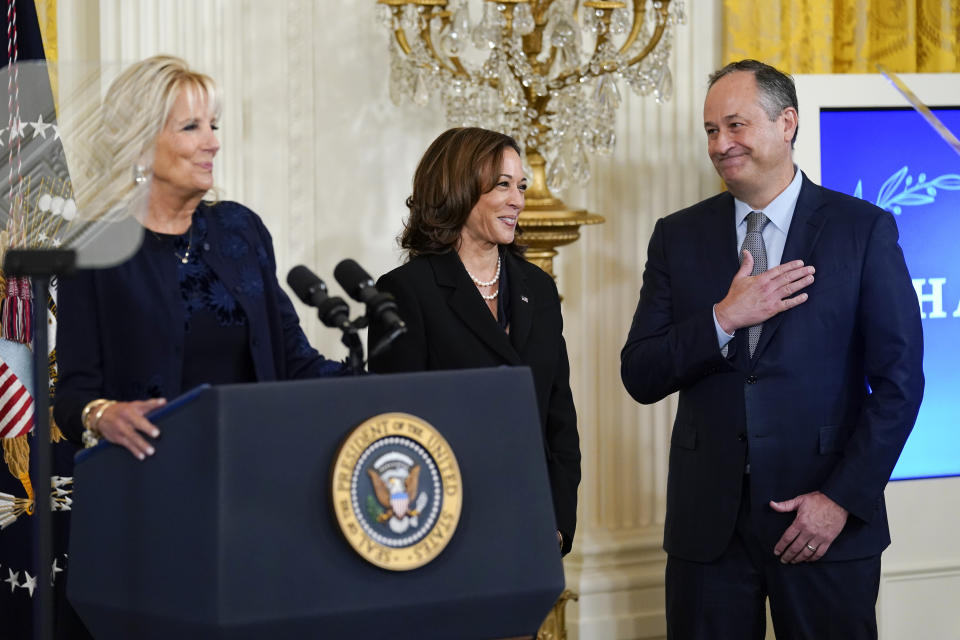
{"x":895,"y":159}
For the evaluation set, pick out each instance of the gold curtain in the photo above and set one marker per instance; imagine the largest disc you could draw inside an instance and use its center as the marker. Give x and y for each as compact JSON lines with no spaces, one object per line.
{"x":844,"y":36}
{"x":47,"y":19}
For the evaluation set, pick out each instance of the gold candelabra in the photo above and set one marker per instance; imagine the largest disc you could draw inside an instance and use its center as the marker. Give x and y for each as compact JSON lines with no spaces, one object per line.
{"x":546,"y":72}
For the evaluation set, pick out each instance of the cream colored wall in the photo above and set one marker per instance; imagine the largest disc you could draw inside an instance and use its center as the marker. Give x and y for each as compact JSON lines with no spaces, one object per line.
{"x":920,"y":585}
{"x":312,"y":142}
{"x":659,"y":166}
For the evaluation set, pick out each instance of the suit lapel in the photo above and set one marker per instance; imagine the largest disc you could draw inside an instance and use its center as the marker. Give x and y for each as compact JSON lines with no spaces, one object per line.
{"x":805,"y":227}
{"x":466,"y":303}
{"x":521,"y":303}
{"x":723,"y":257}
{"x":720,"y":260}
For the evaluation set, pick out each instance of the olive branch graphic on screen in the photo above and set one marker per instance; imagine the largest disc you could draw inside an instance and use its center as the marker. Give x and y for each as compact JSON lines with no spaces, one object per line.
{"x":900,"y":190}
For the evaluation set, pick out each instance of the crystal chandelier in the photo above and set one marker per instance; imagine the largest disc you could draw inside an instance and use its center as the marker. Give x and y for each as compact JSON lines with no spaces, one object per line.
{"x":546,"y":72}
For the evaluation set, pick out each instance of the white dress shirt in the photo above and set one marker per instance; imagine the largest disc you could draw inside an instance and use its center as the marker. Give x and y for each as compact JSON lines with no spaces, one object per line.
{"x":780,"y":213}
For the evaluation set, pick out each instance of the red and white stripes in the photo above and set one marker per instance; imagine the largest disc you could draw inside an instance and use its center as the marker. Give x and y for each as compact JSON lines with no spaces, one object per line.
{"x":16,"y":405}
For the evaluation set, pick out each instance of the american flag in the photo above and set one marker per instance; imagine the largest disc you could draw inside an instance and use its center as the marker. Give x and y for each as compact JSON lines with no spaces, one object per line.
{"x":16,"y":405}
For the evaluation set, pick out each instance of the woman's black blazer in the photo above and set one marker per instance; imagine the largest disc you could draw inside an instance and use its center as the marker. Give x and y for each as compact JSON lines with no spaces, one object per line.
{"x":450,"y":327}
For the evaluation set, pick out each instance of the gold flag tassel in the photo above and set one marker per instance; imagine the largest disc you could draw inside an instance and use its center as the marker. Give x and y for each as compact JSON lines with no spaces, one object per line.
{"x":12,"y":508}
{"x":16,"y":453}
{"x":55,"y":434}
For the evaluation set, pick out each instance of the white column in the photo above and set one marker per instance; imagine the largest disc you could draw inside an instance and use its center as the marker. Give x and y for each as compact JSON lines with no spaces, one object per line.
{"x":659,"y":166}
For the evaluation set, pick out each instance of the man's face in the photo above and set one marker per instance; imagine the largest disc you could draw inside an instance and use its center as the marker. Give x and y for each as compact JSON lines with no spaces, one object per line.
{"x":746,"y":147}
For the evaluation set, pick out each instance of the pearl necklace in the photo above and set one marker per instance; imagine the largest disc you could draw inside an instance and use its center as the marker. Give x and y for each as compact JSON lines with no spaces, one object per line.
{"x":480,"y":283}
{"x":492,"y":295}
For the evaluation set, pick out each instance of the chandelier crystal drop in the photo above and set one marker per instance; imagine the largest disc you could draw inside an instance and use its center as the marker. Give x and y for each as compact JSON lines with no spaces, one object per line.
{"x":547,"y":72}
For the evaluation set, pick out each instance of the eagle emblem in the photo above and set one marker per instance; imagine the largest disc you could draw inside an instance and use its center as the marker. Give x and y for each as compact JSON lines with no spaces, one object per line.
{"x":395,"y":479}
{"x":396,"y":491}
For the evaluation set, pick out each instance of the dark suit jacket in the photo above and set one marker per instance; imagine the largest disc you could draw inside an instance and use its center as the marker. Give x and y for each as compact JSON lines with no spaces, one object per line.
{"x":828,"y":399}
{"x":450,"y":327}
{"x":120,"y":331}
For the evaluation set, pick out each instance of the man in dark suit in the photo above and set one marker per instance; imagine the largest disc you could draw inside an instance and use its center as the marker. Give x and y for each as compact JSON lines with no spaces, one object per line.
{"x":799,"y":373}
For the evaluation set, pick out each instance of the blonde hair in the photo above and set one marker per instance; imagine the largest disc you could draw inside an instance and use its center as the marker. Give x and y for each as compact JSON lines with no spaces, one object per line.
{"x":134,"y":112}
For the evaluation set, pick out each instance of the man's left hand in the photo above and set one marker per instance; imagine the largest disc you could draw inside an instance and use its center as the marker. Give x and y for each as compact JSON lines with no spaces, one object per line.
{"x":819,"y":521}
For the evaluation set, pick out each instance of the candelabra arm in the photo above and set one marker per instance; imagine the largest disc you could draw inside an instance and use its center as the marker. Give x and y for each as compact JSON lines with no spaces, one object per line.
{"x":533,"y":42}
{"x":561,"y":79}
{"x":428,"y":43}
{"x":457,"y":68}
{"x":607,"y":67}
{"x":639,"y":13}
{"x":401,"y":37}
{"x":461,"y":70}
{"x":657,"y":34}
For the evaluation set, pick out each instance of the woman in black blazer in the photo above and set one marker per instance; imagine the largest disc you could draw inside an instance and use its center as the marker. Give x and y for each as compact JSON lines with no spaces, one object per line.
{"x":470,"y":299}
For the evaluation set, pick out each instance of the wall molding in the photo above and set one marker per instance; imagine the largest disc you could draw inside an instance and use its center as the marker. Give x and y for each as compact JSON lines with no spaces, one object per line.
{"x":619,"y":579}
{"x":311,"y":141}
{"x":919,"y":571}
{"x":615,"y":561}
{"x":918,"y":599}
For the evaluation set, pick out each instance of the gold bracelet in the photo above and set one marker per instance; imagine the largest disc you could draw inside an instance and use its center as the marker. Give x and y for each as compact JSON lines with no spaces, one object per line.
{"x":90,"y":435}
{"x":89,"y":407}
{"x":95,"y":423}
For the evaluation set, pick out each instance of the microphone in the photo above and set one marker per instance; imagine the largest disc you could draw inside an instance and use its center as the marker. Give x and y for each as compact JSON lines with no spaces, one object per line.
{"x":308,"y":286}
{"x":359,"y":285}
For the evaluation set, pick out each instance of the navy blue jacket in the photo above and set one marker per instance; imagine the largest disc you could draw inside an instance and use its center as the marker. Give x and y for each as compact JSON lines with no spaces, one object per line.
{"x":120,"y":331}
{"x":826,"y":402}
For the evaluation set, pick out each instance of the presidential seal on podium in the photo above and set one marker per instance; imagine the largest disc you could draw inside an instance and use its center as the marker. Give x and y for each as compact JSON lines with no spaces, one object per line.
{"x":397,"y":491}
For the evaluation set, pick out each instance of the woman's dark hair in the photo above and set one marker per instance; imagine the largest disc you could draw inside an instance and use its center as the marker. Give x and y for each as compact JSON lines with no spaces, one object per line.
{"x":457,"y":168}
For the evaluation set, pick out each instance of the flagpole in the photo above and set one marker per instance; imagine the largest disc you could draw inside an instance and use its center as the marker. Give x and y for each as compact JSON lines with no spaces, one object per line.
{"x":40,"y":265}
{"x":42,"y":521}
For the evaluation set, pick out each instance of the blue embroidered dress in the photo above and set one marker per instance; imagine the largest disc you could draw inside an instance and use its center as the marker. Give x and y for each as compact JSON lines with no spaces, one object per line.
{"x":155,"y":327}
{"x":216,"y":331}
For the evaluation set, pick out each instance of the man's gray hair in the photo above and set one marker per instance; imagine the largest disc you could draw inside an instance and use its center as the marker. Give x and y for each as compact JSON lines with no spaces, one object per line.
{"x":777,"y":91}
